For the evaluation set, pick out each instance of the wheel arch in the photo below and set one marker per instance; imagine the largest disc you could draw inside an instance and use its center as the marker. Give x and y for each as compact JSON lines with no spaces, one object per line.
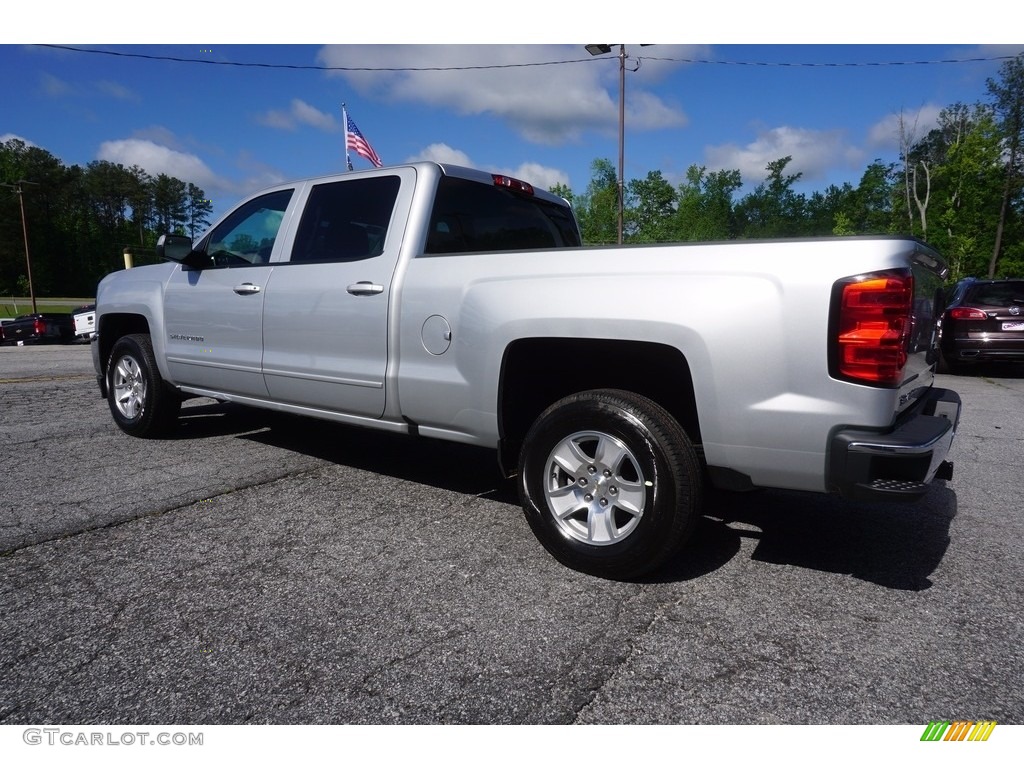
{"x":537,"y":372}
{"x":112,"y":327}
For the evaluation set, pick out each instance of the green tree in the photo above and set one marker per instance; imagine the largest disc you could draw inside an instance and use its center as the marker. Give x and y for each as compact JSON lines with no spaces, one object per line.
{"x":870,"y":205}
{"x":140,"y":200}
{"x":109,"y":186}
{"x":831,"y":212}
{"x":959,"y":160}
{"x":843,"y":226}
{"x":1008,"y":101}
{"x":80,"y":219}
{"x":968,"y":183}
{"x":704,"y":210}
{"x":650,"y":205}
{"x":42,"y":194}
{"x":562,"y":190}
{"x":170,"y":205}
{"x":774,"y":209}
{"x":597,"y":209}
{"x":197,"y":209}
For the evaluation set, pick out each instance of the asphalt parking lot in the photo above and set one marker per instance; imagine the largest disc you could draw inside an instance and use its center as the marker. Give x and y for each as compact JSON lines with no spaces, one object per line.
{"x":258,"y":569}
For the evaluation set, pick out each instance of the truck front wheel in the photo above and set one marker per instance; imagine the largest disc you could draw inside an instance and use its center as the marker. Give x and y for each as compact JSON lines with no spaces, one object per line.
{"x":610,"y":483}
{"x":141,"y":403}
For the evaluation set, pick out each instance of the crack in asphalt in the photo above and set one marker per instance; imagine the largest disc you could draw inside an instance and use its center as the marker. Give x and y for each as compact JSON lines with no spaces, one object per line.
{"x":173,"y":506}
{"x":38,"y":379}
{"x":624,"y":659}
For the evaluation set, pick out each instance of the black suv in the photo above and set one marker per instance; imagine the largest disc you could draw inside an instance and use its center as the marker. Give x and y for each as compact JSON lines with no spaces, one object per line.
{"x":983,"y":322}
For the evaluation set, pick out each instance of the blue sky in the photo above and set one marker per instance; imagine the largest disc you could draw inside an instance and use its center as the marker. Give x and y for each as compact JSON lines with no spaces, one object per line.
{"x":542,"y":111}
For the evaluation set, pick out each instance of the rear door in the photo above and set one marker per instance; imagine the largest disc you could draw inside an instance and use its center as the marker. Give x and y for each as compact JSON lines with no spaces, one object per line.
{"x":325,"y":330}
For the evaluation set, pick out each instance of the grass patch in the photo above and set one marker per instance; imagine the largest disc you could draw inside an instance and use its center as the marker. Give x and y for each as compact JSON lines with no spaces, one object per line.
{"x":14,"y":306}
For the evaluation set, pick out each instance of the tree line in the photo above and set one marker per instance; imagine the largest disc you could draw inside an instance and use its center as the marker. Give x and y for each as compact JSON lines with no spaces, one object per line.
{"x":957,"y":186}
{"x":79,"y":220}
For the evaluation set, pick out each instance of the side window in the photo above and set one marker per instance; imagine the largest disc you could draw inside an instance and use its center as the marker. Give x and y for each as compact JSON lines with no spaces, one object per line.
{"x":469,"y":216}
{"x":346,"y":220}
{"x":247,"y":236}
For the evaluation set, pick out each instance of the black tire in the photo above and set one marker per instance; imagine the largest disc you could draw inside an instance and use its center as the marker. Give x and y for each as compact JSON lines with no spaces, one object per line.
{"x":642,"y":469}
{"x":945,"y":365}
{"x":956,"y":368}
{"x":141,"y":402}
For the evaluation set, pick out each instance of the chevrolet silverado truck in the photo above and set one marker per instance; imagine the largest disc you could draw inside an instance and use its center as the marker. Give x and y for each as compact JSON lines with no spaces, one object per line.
{"x":39,"y":328}
{"x":613,"y":382}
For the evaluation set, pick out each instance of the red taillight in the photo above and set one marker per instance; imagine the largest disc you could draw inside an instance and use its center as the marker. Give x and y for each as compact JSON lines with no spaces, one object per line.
{"x":514,"y":184}
{"x":873,"y":331}
{"x":40,"y":325}
{"x":967,"y":313}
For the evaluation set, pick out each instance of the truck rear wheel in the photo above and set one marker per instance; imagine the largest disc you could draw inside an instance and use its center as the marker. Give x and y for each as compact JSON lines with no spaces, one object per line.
{"x":610,"y":483}
{"x":141,"y":402}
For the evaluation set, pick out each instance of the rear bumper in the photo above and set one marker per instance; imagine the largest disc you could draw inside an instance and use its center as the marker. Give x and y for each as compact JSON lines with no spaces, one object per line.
{"x":988,"y":347}
{"x":898,"y":463}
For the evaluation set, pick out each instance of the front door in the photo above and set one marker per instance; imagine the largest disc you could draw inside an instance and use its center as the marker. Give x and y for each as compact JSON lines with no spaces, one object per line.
{"x":214,"y":311}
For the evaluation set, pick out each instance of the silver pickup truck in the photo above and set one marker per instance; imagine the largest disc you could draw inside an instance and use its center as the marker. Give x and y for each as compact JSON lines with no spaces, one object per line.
{"x":614,"y":382}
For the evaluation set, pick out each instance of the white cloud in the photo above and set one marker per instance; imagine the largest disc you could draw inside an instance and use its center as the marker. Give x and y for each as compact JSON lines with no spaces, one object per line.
{"x":544,"y":104}
{"x":54,"y":86}
{"x":814,"y":153}
{"x":308,"y":115}
{"x":299,"y":113}
{"x":158,"y":134}
{"x":117,"y":91}
{"x":5,"y":137}
{"x":277,"y":119}
{"x":258,"y":174}
{"x":885,"y":134}
{"x":442,"y":153}
{"x":539,"y":175}
{"x":156,"y":159}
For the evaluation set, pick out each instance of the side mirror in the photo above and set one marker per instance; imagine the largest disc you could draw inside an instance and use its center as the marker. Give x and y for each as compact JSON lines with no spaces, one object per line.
{"x":174,"y":248}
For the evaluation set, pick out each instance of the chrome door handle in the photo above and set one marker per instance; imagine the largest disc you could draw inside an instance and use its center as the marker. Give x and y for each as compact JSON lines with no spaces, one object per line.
{"x":246,"y":289}
{"x":365,"y":288}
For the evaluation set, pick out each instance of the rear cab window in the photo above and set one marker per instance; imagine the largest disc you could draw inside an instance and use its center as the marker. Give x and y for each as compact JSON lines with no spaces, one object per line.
{"x":470,"y":217}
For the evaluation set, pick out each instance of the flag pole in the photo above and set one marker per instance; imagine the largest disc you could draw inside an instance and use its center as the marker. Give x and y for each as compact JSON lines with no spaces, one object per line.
{"x":344,"y":121}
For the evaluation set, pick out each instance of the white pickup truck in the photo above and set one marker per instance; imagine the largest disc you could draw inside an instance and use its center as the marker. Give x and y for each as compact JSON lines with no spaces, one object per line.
{"x":614,"y":381}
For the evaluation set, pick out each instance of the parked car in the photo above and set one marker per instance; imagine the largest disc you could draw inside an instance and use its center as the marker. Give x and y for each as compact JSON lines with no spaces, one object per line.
{"x":983,"y":322}
{"x":40,"y":328}
{"x":84,"y":319}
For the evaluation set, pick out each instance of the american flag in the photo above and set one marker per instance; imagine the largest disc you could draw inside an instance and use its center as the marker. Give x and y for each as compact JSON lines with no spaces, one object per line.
{"x":355,"y":141}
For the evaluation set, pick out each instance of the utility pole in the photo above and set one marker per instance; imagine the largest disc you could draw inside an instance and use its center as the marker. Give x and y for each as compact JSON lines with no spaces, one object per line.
{"x":622,"y":135}
{"x":596,"y":49}
{"x":17,"y":187}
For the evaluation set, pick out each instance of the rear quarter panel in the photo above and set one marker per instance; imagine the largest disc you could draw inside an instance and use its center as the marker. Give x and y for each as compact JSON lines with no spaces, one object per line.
{"x":751,"y":319}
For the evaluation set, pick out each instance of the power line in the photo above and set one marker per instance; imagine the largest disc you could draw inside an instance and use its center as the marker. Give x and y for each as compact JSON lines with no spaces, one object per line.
{"x":716,"y":62}
{"x":837,"y":64}
{"x":315,"y":67}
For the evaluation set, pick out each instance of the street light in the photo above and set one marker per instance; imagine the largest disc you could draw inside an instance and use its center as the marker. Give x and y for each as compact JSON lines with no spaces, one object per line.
{"x":17,"y":187}
{"x":597,"y":50}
